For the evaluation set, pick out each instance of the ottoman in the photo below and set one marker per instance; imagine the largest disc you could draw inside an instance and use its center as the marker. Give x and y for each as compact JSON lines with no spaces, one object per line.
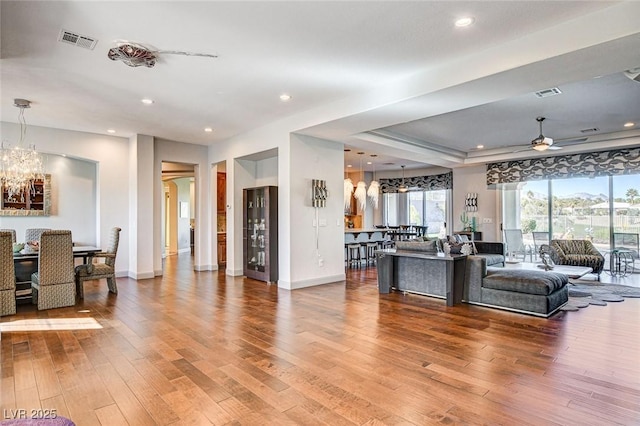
{"x":539,"y":293}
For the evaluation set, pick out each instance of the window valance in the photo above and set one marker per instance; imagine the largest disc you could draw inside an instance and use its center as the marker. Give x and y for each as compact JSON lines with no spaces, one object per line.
{"x":418,"y":183}
{"x":606,"y":163}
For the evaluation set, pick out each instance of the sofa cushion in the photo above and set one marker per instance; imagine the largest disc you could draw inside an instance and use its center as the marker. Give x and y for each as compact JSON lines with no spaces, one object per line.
{"x":492,"y":259}
{"x":530,"y":282}
{"x":429,"y":246}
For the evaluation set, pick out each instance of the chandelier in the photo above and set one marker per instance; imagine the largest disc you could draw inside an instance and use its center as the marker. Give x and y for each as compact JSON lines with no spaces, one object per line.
{"x":20,"y":166}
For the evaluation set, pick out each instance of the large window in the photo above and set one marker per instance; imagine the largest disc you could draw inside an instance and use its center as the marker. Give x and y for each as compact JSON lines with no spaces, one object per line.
{"x":576,"y":208}
{"x":422,"y":208}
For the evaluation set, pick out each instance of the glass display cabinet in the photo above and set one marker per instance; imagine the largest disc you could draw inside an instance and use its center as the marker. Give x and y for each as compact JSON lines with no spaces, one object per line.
{"x":260,"y":233}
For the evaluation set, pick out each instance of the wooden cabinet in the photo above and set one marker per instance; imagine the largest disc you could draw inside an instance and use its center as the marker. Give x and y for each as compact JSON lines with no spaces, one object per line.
{"x":222,"y":192}
{"x":34,"y":201}
{"x":222,"y":249}
{"x":260,"y":233}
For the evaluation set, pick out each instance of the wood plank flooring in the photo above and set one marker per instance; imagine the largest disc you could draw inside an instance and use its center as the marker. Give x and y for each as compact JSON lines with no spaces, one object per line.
{"x":194,"y":348}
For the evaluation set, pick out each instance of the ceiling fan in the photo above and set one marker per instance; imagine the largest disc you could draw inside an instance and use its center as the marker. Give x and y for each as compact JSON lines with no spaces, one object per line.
{"x":543,"y":143}
{"x":135,"y":54}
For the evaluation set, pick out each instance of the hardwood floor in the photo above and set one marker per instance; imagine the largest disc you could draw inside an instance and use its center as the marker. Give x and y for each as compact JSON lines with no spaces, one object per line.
{"x":196,"y":348}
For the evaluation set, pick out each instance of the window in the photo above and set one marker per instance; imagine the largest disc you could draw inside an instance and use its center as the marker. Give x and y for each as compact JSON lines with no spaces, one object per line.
{"x":421,"y":208}
{"x":575,"y":208}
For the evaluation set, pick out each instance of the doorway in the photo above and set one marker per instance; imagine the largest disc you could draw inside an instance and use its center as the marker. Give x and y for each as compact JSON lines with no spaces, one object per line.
{"x":178,"y":208}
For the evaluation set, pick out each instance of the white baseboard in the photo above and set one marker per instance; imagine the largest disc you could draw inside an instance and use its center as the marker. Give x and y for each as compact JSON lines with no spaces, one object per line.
{"x":201,"y":268}
{"x":295,"y":285}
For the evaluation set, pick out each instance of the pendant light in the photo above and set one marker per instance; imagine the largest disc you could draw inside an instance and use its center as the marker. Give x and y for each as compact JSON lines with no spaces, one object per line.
{"x":374,"y":187}
{"x":402,"y":187}
{"x":361,"y":188}
{"x":348,"y":190}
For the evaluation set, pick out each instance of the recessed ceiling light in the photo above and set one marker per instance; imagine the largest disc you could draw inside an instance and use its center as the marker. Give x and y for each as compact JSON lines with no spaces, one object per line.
{"x":147,"y":101}
{"x":284,"y":97}
{"x":464,"y":22}
{"x":110,"y":131}
{"x":208,"y":129}
{"x":480,"y":146}
{"x":349,"y":165}
{"x":368,"y":162}
{"x":629,"y":124}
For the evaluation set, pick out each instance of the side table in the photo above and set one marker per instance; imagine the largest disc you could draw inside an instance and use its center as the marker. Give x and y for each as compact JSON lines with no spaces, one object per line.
{"x":620,"y":262}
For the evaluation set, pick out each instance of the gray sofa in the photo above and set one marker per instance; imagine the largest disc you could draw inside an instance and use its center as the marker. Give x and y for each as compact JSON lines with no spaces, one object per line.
{"x":539,"y":293}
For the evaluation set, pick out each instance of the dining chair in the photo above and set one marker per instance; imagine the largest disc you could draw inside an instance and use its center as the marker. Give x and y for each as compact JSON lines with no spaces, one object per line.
{"x":8,"y":276}
{"x":12,"y":232}
{"x":515,"y":244}
{"x":33,"y":234}
{"x":98,"y":271}
{"x":53,"y":285}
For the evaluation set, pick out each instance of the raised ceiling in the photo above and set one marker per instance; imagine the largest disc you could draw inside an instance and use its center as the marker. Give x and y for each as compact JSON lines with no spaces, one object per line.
{"x":432,"y":91}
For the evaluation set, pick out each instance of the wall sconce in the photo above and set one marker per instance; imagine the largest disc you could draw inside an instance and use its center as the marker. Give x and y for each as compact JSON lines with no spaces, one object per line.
{"x":319,"y":193}
{"x":471,"y":202}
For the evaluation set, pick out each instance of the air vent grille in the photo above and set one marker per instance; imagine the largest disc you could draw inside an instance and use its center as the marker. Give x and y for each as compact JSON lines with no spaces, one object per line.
{"x":548,"y":92}
{"x":76,"y":39}
{"x":592,"y":130}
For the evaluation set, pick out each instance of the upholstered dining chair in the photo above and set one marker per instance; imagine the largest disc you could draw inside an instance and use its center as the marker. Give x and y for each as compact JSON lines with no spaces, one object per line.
{"x":33,"y":234}
{"x":53,"y":285}
{"x":12,"y":232}
{"x":7,"y":276}
{"x":98,"y":271}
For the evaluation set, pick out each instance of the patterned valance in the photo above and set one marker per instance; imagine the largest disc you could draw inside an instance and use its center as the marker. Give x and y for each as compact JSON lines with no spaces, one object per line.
{"x":418,"y":183}
{"x":606,"y":163}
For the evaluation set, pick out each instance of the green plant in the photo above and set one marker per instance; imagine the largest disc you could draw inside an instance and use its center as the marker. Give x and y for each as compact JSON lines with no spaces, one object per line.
{"x":529,"y":226}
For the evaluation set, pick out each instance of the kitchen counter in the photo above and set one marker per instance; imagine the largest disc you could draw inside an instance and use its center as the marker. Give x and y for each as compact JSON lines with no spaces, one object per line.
{"x":354,"y":234}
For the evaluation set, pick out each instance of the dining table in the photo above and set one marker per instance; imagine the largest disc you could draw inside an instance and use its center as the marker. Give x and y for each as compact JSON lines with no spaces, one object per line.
{"x":26,"y":264}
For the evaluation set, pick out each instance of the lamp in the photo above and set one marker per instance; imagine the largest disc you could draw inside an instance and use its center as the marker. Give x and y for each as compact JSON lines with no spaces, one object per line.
{"x":20,"y":166}
{"x":402,"y":187}
{"x":374,"y":187}
{"x":348,"y":190}
{"x":361,"y":188}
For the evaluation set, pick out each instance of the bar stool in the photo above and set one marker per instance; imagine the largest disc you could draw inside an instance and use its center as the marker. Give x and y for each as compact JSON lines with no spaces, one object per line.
{"x":370,"y":252}
{"x":353,"y":255}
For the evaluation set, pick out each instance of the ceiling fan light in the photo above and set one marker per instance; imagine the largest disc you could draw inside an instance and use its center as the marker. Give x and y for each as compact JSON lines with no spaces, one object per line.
{"x":541,"y":147}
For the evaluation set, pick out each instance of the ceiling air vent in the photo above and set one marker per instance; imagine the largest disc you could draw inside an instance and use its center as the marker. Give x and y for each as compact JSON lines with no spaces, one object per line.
{"x":548,"y":92}
{"x":591,"y":130}
{"x":77,"y":39}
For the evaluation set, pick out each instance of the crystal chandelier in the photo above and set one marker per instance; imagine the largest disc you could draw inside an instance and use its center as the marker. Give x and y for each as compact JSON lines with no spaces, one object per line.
{"x":20,"y":166}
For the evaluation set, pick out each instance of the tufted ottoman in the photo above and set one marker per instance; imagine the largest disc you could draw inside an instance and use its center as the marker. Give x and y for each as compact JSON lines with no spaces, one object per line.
{"x":534,"y":292}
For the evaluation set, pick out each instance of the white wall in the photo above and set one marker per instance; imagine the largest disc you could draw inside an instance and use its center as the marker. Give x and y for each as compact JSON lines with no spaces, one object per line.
{"x":110,"y":155}
{"x":474,"y":179}
{"x":314,"y":158}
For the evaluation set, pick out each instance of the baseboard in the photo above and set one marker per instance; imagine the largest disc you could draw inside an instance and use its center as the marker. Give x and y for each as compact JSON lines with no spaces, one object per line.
{"x":295,"y":285}
{"x":184,"y":250}
{"x":141,"y":275}
{"x":201,"y":268}
{"x":234,"y":272}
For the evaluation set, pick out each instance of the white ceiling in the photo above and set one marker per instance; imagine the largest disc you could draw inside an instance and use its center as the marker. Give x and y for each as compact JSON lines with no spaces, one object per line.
{"x":323,"y":53}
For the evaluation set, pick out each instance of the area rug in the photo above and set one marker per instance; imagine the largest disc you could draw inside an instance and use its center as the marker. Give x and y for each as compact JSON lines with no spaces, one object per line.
{"x":583,"y":294}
